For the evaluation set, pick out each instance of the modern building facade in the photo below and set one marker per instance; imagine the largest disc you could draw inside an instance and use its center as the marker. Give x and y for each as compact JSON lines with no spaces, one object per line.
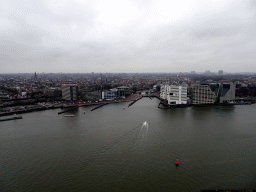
{"x":228,"y":93}
{"x":111,"y":94}
{"x":173,"y":94}
{"x":119,"y":92}
{"x":163,"y":92}
{"x":202,"y":94}
{"x":92,"y":95}
{"x":69,"y":91}
{"x":123,"y":91}
{"x":213,"y":93}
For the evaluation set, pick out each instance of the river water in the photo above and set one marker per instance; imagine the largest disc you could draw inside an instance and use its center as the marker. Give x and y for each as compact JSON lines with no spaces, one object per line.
{"x":116,"y":148}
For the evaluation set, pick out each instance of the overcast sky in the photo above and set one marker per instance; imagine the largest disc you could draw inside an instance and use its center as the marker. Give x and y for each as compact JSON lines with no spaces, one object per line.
{"x":127,"y":36}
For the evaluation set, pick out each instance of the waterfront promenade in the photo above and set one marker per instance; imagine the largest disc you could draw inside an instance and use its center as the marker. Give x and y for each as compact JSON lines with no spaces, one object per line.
{"x":45,"y":106}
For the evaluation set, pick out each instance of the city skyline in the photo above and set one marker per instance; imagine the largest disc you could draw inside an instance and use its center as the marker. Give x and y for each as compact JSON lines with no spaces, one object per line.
{"x":207,"y":72}
{"x":127,"y":36}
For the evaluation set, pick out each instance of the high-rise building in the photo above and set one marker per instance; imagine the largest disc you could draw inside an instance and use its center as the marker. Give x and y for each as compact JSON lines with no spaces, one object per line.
{"x":123,"y":91}
{"x":207,"y":72}
{"x":220,"y":72}
{"x":69,"y":91}
{"x":35,"y":79}
{"x":163,"y":92}
{"x":202,"y":94}
{"x":213,"y":93}
{"x":174,"y":94}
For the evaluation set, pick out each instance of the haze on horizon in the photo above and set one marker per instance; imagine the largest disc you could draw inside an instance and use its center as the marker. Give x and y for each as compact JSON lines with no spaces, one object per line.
{"x":127,"y":36}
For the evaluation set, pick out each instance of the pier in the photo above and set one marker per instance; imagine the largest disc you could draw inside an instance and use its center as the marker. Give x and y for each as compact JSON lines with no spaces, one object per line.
{"x":11,"y":118}
{"x":152,"y":95}
{"x":69,"y":109}
{"x":135,"y":101}
{"x":98,"y":106}
{"x":41,"y":106}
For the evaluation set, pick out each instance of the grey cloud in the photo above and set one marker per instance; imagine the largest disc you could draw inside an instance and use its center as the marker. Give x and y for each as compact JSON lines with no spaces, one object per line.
{"x":217,"y":32}
{"x":43,"y":37}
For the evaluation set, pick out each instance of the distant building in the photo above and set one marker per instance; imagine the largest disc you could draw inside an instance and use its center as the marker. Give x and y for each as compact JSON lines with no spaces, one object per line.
{"x":23,"y":92}
{"x":156,"y":87}
{"x":193,"y":72}
{"x":213,"y":93}
{"x":111,"y":94}
{"x":69,"y":91}
{"x":202,"y":94}
{"x":4,"y":96}
{"x":123,"y":91}
{"x":174,"y":94}
{"x":92,"y":95}
{"x":118,"y":92}
{"x":207,"y":72}
{"x":228,"y":93}
{"x":220,"y":72}
{"x":163,"y":92}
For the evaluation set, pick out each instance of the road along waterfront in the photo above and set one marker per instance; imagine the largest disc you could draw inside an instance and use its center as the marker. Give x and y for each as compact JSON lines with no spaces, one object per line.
{"x":112,"y":149}
{"x":43,"y":106}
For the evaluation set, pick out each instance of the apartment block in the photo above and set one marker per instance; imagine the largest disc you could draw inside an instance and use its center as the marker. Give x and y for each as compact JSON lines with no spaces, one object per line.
{"x":69,"y":91}
{"x":213,"y":93}
{"x":174,"y":94}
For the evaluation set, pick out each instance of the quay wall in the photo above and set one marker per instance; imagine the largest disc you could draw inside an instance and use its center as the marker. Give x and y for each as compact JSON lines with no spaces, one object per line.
{"x":63,"y":106}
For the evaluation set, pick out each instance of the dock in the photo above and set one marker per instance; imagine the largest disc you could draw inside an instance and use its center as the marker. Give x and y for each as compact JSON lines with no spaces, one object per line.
{"x":133,"y":102}
{"x":69,"y":109}
{"x":98,"y":106}
{"x":11,"y":118}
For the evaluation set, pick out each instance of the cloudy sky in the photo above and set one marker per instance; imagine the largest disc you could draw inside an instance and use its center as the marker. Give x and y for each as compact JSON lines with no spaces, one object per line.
{"x":127,"y":36}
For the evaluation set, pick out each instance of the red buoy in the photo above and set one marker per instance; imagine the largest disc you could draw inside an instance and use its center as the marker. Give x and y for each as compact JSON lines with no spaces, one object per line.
{"x":177,"y":162}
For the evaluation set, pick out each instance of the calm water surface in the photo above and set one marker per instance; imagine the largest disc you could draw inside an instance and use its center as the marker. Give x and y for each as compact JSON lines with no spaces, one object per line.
{"x":113,"y":149}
